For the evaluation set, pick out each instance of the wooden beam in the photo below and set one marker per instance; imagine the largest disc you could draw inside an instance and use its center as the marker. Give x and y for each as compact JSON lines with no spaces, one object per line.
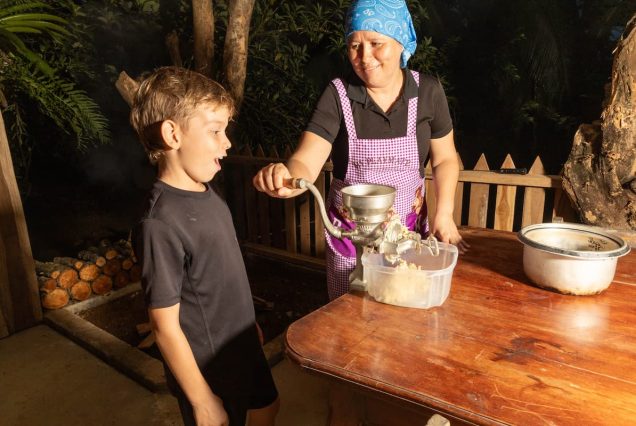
{"x":492,"y":177}
{"x":19,"y":281}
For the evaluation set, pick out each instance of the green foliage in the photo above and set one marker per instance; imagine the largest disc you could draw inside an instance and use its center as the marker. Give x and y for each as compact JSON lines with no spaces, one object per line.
{"x":526,"y":73}
{"x":40,"y":62}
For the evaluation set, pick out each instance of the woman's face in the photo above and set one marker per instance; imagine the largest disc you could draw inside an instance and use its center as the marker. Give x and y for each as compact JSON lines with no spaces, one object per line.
{"x":375,"y":57}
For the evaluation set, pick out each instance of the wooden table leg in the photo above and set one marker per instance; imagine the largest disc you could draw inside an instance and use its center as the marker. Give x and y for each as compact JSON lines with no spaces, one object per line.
{"x":346,"y":407}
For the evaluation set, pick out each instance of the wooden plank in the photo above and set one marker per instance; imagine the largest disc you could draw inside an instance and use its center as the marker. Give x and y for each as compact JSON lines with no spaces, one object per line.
{"x":262,"y":201}
{"x":21,"y":284}
{"x":459,"y":196}
{"x":276,"y":213}
{"x":478,"y":206}
{"x":533,"y":198}
{"x":505,"y":201}
{"x":250,"y":198}
{"x":238,"y":199}
{"x":285,"y":256}
{"x":319,"y":242}
{"x":290,"y":225}
{"x":6,"y":309}
{"x":306,"y":201}
{"x":492,"y":177}
{"x":290,"y":216}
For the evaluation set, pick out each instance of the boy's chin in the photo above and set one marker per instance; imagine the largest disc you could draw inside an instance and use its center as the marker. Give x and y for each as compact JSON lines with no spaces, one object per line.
{"x":211,"y":176}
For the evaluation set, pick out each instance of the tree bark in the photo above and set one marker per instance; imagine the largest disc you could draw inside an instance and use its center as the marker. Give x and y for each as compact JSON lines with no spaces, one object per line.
{"x":235,"y":49}
{"x":127,"y":87}
{"x":203,"y":32}
{"x":172,"y":44}
{"x":600,"y":173}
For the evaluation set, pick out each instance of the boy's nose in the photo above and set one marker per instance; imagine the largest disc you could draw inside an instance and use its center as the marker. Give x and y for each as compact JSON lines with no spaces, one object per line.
{"x":228,"y":143}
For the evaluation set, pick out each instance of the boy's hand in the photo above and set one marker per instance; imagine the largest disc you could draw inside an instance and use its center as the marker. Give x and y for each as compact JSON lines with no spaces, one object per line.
{"x":271,"y":180}
{"x":210,"y":412}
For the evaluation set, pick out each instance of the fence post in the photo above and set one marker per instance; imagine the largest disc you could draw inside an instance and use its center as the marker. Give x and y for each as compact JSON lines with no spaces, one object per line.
{"x":533,"y":198}
{"x":478,"y":207}
{"x":505,"y":202}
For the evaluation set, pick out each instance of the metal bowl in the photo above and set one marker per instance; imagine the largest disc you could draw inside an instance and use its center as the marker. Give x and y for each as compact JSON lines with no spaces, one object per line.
{"x":367,"y":202}
{"x":570,"y":258}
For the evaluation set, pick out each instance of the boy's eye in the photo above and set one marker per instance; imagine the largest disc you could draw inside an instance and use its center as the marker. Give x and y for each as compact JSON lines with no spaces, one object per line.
{"x":354,"y":46}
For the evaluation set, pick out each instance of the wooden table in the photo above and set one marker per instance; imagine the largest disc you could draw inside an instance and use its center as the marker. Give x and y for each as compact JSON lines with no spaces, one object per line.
{"x":498,"y":351}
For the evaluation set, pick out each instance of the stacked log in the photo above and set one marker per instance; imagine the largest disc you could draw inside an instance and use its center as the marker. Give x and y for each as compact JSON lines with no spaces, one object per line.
{"x":96,"y":270}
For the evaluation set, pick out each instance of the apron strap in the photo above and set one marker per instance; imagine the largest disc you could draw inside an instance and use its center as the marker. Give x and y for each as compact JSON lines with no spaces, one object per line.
{"x":411,"y":126}
{"x":346,"y":108}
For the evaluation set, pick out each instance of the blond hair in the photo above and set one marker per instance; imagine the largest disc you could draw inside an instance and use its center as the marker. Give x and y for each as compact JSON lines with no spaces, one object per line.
{"x":172,"y":93}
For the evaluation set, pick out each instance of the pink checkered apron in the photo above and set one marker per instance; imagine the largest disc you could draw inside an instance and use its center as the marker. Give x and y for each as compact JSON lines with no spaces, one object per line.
{"x":394,"y":162}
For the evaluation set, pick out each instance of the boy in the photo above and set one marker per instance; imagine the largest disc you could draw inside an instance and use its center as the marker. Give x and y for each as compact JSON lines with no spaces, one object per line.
{"x":196,"y":289}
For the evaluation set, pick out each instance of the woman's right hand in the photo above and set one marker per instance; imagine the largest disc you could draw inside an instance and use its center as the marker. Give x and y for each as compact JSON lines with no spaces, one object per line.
{"x":271,"y":180}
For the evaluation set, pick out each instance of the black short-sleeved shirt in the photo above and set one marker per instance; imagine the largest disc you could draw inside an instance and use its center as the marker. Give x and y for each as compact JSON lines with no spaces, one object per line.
{"x":433,"y":117}
{"x":189,"y":254}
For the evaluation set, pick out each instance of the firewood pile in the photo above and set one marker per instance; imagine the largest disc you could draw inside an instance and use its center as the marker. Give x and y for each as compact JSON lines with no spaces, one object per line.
{"x":95,"y":271}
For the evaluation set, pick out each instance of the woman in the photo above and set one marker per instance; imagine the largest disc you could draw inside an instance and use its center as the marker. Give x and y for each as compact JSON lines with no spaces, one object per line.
{"x":380,"y":127}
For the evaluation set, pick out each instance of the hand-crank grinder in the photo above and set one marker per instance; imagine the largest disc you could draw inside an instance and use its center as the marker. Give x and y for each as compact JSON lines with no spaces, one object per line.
{"x":369,"y":208}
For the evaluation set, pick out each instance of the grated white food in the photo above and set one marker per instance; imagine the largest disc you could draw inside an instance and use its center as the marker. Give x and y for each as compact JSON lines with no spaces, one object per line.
{"x":402,"y":287}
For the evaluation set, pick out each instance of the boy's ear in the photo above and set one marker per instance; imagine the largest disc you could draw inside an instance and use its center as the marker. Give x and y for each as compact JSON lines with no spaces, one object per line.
{"x":170,"y":134}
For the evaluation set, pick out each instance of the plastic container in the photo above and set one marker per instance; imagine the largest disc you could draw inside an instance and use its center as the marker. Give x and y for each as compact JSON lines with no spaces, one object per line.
{"x":414,"y":288}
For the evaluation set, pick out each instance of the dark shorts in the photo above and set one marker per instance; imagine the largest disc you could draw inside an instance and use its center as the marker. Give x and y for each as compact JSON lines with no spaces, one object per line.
{"x":240,"y":376}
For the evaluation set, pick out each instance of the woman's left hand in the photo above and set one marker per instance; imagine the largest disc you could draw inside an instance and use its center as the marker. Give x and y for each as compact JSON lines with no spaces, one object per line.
{"x":445,"y":230}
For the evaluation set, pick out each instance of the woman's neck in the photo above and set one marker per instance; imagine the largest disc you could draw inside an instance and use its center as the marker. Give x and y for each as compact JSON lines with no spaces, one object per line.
{"x":387,"y":95}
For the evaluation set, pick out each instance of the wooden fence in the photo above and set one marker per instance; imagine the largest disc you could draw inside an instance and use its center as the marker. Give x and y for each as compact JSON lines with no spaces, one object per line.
{"x":292,"y":229}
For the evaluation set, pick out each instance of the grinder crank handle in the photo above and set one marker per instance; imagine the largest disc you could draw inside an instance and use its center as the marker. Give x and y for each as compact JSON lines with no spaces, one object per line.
{"x":296,"y":183}
{"x":300,"y":183}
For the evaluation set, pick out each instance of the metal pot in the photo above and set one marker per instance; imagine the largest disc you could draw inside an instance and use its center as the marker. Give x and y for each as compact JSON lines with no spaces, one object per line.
{"x":570,"y":258}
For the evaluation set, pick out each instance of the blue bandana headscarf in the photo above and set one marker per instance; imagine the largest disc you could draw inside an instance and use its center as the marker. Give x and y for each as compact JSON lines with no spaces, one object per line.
{"x":388,"y":17}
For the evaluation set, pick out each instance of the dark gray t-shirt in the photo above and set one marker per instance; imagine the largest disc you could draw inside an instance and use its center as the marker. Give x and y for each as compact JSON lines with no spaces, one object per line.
{"x":189,"y":254}
{"x":433,"y":118}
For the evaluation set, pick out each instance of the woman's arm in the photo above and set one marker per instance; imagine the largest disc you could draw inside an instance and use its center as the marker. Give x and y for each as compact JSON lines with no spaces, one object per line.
{"x":306,"y":162}
{"x":445,"y":174}
{"x":208,"y":408}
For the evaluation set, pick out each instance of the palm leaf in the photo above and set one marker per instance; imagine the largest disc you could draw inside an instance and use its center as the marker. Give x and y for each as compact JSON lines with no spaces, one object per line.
{"x":10,"y":10}
{"x":71,"y":109}
{"x":19,"y":46}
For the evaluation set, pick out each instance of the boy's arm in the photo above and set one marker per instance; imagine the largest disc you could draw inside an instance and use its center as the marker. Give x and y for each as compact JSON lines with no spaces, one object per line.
{"x":176,"y":351}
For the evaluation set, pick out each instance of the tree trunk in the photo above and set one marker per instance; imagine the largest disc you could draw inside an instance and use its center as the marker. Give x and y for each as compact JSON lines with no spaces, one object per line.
{"x":172,"y":44}
{"x":600,"y":173}
{"x":203,"y":33}
{"x":235,"y":49}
